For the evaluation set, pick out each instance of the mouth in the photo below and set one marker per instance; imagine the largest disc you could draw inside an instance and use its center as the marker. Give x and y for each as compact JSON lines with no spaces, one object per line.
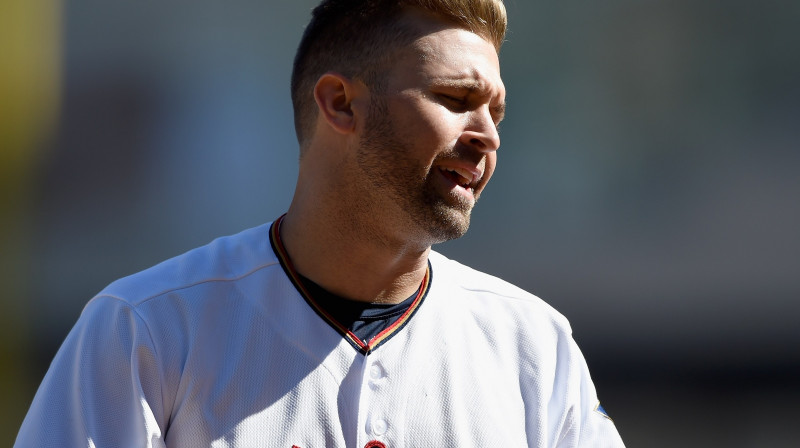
{"x":462,"y":177}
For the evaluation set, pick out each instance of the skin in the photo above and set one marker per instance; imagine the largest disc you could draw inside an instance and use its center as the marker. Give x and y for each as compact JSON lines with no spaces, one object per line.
{"x":389,"y":173}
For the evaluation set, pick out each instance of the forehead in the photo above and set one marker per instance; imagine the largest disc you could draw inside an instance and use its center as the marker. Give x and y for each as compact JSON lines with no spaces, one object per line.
{"x":458,"y":51}
{"x":444,"y":54}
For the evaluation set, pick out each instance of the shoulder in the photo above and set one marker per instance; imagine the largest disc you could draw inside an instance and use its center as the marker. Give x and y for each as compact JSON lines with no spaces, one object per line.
{"x":518,"y":329}
{"x":491,"y":294}
{"x":225,"y":259}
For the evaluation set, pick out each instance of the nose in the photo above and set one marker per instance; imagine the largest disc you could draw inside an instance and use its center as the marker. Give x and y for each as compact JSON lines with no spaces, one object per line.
{"x":481,"y":131}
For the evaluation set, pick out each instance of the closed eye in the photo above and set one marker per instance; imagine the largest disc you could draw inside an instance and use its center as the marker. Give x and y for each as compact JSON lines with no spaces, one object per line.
{"x":456,"y":101}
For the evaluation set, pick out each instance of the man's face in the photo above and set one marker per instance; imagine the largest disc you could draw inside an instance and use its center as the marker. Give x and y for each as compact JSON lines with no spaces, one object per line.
{"x":430,"y":138}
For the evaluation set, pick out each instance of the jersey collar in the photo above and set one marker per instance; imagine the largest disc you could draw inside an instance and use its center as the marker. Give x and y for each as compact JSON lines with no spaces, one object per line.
{"x":362,"y":346}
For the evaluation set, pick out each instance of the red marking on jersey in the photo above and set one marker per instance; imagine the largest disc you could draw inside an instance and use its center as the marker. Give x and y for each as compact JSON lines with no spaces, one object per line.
{"x":374,"y":444}
{"x":295,"y":446}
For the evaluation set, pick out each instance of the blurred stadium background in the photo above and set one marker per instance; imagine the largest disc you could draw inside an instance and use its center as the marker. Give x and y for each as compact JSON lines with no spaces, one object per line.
{"x":647,"y":187}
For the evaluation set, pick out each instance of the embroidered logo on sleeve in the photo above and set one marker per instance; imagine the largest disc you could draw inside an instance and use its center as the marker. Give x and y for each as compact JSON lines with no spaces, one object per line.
{"x":599,"y":409}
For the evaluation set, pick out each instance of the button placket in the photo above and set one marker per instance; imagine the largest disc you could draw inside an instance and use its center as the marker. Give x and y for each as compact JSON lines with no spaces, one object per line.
{"x":375,"y":379}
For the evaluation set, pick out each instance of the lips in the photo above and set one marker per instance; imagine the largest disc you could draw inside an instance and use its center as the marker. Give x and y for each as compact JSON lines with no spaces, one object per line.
{"x":464,"y":177}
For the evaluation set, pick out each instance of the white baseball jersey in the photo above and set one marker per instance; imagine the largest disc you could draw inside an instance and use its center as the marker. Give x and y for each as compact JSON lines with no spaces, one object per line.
{"x":218,"y":347}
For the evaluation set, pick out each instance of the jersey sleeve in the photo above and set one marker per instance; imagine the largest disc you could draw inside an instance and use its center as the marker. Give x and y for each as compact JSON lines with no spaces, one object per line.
{"x":103,"y":387}
{"x":590,"y":426}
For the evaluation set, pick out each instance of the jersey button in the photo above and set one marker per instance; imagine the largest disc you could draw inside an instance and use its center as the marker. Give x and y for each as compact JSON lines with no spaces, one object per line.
{"x":379,"y":427}
{"x":375,"y":372}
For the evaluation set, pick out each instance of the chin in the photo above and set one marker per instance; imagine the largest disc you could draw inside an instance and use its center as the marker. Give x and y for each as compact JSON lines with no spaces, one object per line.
{"x":446,"y":224}
{"x":438,"y":217}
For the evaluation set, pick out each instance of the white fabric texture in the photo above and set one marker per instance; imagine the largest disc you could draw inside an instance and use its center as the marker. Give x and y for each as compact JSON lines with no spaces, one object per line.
{"x":217,"y":348}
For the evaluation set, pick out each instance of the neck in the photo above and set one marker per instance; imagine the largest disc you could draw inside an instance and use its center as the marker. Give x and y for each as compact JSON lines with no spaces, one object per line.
{"x":347,"y":255}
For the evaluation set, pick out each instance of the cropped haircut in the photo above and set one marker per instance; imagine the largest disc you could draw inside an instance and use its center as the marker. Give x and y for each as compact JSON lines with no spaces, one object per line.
{"x":358,"y":39}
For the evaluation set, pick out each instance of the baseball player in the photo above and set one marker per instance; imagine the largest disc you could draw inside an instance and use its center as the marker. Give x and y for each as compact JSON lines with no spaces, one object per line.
{"x":336,"y":325}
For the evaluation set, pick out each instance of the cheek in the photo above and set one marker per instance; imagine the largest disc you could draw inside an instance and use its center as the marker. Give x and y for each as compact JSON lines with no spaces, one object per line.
{"x":433,"y":124}
{"x":429,"y":120}
{"x":426,"y":128}
{"x":432,"y":133}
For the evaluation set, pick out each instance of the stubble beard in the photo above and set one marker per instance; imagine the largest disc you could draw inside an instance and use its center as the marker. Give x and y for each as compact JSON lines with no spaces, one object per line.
{"x":395,"y":174}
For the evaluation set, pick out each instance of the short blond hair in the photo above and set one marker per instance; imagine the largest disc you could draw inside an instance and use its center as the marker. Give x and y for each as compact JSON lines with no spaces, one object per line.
{"x":357,"y":38}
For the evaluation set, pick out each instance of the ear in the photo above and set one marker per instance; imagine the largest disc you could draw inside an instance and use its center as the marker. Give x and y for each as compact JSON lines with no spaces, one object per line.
{"x":334,"y":94}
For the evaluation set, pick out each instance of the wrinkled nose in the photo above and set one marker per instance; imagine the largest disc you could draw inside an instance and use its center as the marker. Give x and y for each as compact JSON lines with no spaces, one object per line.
{"x":481,"y":131}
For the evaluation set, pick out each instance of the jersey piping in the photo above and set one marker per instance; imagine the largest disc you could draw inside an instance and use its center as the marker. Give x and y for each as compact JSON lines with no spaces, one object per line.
{"x":361,"y":346}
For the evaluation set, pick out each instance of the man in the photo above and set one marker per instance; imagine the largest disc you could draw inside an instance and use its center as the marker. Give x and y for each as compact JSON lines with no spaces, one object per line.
{"x":336,"y":325}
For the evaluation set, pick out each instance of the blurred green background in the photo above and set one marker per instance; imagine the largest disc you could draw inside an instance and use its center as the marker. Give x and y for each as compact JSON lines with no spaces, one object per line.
{"x":647,"y":185}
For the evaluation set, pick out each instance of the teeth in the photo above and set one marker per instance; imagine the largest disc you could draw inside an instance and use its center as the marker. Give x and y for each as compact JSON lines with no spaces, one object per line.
{"x":466,"y":175}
